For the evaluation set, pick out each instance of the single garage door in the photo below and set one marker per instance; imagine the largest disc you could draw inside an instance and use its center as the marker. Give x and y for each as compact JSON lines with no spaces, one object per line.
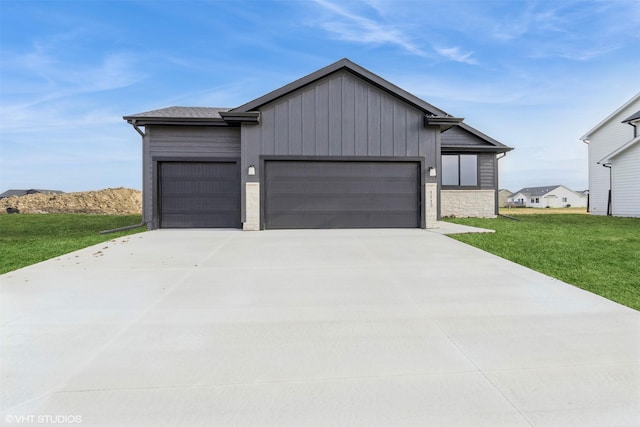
{"x":199,"y":194}
{"x":342,"y":194}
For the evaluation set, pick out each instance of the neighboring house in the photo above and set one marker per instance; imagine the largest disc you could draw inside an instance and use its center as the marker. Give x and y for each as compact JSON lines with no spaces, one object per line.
{"x":10,"y":193}
{"x":503,"y":197}
{"x":614,"y":162}
{"x":339,"y":148}
{"x":552,"y":196}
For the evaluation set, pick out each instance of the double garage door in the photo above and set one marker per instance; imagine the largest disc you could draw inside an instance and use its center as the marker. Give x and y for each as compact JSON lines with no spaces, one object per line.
{"x":341,"y":194}
{"x":296,"y":194}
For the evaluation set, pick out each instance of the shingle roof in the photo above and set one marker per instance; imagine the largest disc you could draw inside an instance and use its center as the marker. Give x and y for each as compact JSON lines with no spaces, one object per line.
{"x":634,"y":116}
{"x":181,"y":113}
{"x":537,"y":191}
{"x":10,"y":193}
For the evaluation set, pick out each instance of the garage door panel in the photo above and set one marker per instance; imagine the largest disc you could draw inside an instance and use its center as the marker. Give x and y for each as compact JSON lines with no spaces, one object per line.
{"x":342,"y":194}
{"x":338,"y":169}
{"x":204,"y":204}
{"x":199,"y":194}
{"x":180,"y":187}
{"x":195,"y":220}
{"x":339,"y":185}
{"x":342,"y":203}
{"x":338,"y":219}
{"x":196,"y":170}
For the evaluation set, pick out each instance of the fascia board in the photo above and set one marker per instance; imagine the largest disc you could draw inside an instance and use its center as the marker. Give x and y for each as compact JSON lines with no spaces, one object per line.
{"x":586,"y":136}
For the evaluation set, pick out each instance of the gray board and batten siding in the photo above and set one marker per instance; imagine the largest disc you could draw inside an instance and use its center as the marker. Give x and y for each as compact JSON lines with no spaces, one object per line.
{"x":339,"y":116}
{"x":459,"y":137}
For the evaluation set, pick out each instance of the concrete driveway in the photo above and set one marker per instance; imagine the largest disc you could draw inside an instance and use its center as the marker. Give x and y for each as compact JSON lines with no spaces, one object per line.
{"x":320,"y":328}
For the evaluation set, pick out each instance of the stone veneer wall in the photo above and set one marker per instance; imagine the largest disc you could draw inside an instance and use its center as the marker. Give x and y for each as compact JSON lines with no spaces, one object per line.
{"x":252,"y":194}
{"x":431,"y":204}
{"x":468,"y":203}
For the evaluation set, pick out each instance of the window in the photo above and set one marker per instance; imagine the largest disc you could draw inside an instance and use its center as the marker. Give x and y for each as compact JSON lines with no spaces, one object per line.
{"x":460,"y":170}
{"x":533,"y":200}
{"x":564,"y":200}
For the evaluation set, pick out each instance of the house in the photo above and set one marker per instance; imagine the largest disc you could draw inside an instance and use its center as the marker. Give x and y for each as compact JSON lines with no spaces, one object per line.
{"x":338,"y":148}
{"x":10,"y":193}
{"x":614,"y":156}
{"x":552,"y":196}
{"x":503,"y":197}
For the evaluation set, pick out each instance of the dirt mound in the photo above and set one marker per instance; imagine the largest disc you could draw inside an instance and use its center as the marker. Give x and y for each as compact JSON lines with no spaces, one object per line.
{"x":111,"y":201}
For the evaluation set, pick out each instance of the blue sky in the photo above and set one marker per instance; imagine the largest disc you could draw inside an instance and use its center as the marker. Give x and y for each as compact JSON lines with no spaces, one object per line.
{"x":535,"y":75}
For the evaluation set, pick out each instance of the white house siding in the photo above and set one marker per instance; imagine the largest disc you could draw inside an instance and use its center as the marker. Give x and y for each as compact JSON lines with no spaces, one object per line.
{"x":626,"y":183}
{"x":603,"y":141}
{"x":518,"y":198}
{"x":554,"y":199}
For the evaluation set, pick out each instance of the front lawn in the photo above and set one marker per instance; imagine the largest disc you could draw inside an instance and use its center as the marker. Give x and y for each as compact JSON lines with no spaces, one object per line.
{"x":596,"y":253}
{"x":26,"y":239}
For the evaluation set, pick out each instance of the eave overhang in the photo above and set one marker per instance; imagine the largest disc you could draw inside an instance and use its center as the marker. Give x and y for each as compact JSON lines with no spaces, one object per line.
{"x":474,"y":149}
{"x":175,"y":121}
{"x":238,"y":117}
{"x":443,"y":122}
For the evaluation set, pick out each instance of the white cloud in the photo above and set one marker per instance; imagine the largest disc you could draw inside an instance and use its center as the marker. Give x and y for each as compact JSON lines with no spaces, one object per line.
{"x":455,"y":54}
{"x":389,"y":28}
{"x":356,"y":28}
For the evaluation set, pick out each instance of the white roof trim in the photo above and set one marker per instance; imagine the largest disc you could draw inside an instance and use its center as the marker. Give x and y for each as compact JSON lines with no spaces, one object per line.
{"x":599,"y":125}
{"x":619,"y":150}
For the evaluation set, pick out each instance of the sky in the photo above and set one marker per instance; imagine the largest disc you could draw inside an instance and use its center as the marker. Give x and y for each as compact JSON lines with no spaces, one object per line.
{"x":535,"y":75}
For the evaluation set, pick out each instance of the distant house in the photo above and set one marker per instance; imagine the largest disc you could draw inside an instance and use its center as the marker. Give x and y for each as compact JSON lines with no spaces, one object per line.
{"x":10,"y":193}
{"x":503,"y":197}
{"x":551,"y":196}
{"x":614,"y":156}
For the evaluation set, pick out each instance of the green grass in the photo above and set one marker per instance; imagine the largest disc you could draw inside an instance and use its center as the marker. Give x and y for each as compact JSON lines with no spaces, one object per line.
{"x":26,"y":239}
{"x":596,"y":253}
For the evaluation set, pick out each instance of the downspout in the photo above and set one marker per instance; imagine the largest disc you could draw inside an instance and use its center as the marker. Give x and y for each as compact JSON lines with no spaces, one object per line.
{"x":142,"y":223}
{"x":497,"y":196}
{"x":609,"y":207}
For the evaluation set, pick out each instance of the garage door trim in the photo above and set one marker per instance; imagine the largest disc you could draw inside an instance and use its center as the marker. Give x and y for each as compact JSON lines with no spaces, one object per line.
{"x":157,"y":160}
{"x":409,"y":159}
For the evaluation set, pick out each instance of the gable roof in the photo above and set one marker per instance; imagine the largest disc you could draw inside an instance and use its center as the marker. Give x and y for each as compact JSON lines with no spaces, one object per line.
{"x":541,"y":191}
{"x":247,"y":111}
{"x":537,"y":191}
{"x":586,"y":136}
{"x":377,"y":81}
{"x":352,"y":67}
